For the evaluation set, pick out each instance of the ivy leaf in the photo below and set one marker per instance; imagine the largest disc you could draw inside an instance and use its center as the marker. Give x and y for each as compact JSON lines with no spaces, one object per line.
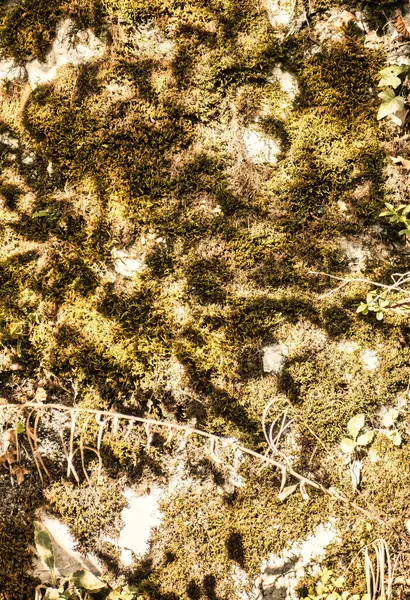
{"x":347,"y":445}
{"x":393,"y":70}
{"x":390,"y":80}
{"x":390,"y":106}
{"x":339,"y":582}
{"x":355,"y":424}
{"x":334,"y":596}
{"x":365,"y":438}
{"x":387,"y":95}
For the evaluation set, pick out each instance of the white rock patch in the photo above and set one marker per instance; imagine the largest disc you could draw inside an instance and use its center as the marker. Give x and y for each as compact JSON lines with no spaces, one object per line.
{"x":273,"y":359}
{"x":67,"y":559}
{"x":356,"y":255}
{"x":287,"y":81}
{"x":8,"y":140}
{"x":128,"y":265}
{"x":140,"y":517}
{"x":10,"y":71}
{"x":279,"y":13}
{"x":259,"y":148}
{"x":280,"y":574}
{"x":370,"y":360}
{"x":66,"y":49}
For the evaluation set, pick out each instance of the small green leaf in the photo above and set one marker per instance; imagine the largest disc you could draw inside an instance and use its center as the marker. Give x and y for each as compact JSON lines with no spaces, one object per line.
{"x":87,"y":581}
{"x":365,"y":438}
{"x":339,"y":582}
{"x":362,"y":307}
{"x":40,"y":213}
{"x":355,"y":424}
{"x":20,"y":428}
{"x":347,"y":445}
{"x":379,"y":315}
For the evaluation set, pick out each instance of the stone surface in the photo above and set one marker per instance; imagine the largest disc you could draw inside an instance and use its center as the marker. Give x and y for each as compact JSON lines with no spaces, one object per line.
{"x":67,"y":49}
{"x":273,"y":359}
{"x":355,"y":254}
{"x":259,"y":148}
{"x":139,"y":517}
{"x":286,"y":80}
{"x":8,"y":140}
{"x":280,"y":574}
{"x":370,"y":360}
{"x":126,"y":264}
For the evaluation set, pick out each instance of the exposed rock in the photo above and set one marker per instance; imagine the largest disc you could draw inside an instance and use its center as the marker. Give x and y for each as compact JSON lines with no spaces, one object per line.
{"x":259,"y":148}
{"x":10,"y":71}
{"x":286,"y":80}
{"x":284,"y":14}
{"x":127,"y":264}
{"x":274,"y":358}
{"x":140,"y":517}
{"x":8,"y":140}
{"x":370,"y":360}
{"x":280,"y":574}
{"x":355,"y":254}
{"x":68,"y":48}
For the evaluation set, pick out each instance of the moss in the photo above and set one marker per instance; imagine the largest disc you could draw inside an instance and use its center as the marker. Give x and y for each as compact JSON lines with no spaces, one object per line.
{"x":28,"y":28}
{"x":16,"y":536}
{"x":88,"y":511}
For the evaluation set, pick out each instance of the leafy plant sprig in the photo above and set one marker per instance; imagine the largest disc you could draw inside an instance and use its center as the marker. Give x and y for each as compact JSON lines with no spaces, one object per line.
{"x":398,"y":215}
{"x":352,"y":443}
{"x":375,"y":302}
{"x":329,"y":588}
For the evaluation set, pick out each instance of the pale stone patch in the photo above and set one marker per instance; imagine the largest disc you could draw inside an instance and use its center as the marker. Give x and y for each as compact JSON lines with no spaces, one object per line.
{"x":355,"y":254}
{"x":10,"y":71}
{"x":348,"y":347}
{"x":67,"y":558}
{"x":140,"y":516}
{"x":287,"y":81}
{"x":370,"y":360}
{"x":280,"y":574}
{"x":126,"y":264}
{"x":279,"y":12}
{"x":67,"y":49}
{"x":259,"y":148}
{"x":274,"y":358}
{"x":8,"y":140}
{"x":28,"y":159}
